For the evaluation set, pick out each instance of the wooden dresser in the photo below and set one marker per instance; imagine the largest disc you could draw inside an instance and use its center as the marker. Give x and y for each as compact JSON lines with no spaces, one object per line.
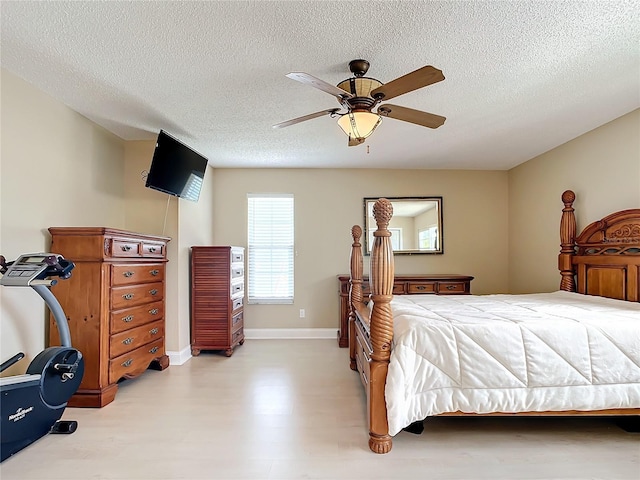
{"x":217,"y":293}
{"x":115,"y":304}
{"x":402,"y":285}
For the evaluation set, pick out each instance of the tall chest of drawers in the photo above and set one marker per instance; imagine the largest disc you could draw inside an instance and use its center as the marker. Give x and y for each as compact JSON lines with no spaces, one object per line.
{"x":115,"y":303}
{"x":217,"y":294}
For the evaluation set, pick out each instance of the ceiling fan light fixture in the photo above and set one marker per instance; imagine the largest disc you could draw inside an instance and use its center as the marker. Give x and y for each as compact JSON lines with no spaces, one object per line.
{"x":359,"y":124}
{"x":358,"y":96}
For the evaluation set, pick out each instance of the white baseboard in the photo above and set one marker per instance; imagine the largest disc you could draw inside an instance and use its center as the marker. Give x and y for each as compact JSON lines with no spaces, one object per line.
{"x":184,"y":355}
{"x":181,"y":357}
{"x":289,"y":333}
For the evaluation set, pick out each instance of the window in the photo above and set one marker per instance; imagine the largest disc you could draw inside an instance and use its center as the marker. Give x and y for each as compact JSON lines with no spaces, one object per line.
{"x":396,"y":239}
{"x":428,"y":238}
{"x":270,"y":248}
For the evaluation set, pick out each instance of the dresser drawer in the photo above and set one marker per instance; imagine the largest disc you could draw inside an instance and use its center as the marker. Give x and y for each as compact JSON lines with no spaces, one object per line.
{"x":398,"y":288}
{"x":447,"y":288}
{"x":237,"y":337}
{"x":131,"y":339}
{"x":422,"y":287}
{"x":134,"y":317}
{"x":136,"y":273}
{"x":237,"y":288}
{"x":237,"y":271}
{"x":135,"y":362}
{"x":125,"y":248}
{"x":237,"y":255}
{"x":132,"y":295}
{"x":237,"y":321}
{"x":153,"y":250}
{"x":237,"y":303}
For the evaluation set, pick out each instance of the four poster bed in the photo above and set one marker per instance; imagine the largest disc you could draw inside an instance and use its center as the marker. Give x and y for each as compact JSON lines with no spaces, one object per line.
{"x":571,"y":352}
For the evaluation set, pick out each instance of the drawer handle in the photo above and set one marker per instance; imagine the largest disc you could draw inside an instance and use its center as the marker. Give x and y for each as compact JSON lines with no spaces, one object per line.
{"x":154,"y":349}
{"x":154,"y":272}
{"x":236,"y":320}
{"x":237,"y":273}
{"x":152,"y":249}
{"x":127,"y":363}
{"x":127,"y":319}
{"x":153,"y":331}
{"x":128,"y":274}
{"x":128,"y":341}
{"x":127,"y":296}
{"x":126,"y":248}
{"x":421,"y":287}
{"x":153,"y":311}
{"x":153,"y":291}
{"x":451,"y":287}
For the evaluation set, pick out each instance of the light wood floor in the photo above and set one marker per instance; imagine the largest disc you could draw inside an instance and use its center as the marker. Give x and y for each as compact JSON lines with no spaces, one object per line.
{"x":292,"y":409}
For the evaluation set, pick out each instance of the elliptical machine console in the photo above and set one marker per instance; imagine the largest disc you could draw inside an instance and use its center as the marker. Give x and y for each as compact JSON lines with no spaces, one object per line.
{"x":33,"y":403}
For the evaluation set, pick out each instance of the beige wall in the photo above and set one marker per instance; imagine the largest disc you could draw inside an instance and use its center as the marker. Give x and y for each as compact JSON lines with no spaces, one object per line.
{"x":156,"y":213}
{"x":329,"y":202}
{"x":186,"y":223}
{"x":81,"y":175}
{"x":196,"y":228}
{"x":57,"y":169}
{"x":602,"y":167}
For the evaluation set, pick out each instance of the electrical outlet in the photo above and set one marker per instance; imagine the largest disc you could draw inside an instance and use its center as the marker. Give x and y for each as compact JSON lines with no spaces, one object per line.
{"x":302,"y":313}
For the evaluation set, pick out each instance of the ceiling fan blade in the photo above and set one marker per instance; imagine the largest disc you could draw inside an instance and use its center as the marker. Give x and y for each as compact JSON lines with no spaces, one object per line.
{"x":306,"y":117}
{"x":319,"y":84}
{"x":410,"y":115}
{"x":408,"y":83}
{"x":355,"y":141}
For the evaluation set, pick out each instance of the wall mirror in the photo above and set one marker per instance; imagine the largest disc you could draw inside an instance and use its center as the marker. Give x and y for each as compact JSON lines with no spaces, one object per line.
{"x":416,"y":225}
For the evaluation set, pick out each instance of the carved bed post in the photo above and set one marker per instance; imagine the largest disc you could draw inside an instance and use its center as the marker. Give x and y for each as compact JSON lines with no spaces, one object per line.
{"x":355,"y":290}
{"x":381,"y":327}
{"x":567,"y":243}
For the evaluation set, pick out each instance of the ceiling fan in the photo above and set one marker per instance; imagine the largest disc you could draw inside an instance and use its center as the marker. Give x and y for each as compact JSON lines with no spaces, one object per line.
{"x":359,"y":95}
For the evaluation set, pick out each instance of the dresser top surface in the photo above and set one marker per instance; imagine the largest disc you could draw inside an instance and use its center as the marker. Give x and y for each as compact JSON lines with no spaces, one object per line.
{"x":416,"y":276}
{"x":107,"y":231}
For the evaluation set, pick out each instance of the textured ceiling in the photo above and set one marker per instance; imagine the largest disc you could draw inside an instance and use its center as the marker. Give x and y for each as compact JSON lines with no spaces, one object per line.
{"x":522,"y":77}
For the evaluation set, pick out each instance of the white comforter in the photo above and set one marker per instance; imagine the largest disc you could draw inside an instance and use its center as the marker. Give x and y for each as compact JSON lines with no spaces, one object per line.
{"x":511,"y":353}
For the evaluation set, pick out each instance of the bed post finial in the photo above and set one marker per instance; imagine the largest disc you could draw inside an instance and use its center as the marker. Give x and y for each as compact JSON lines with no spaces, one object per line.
{"x":382,"y":212}
{"x":355,"y":290}
{"x":381,"y":326}
{"x":567,"y":243}
{"x":356,"y":233}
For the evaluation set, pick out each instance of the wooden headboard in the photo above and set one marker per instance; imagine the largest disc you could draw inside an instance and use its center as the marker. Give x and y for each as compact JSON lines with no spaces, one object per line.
{"x":604,"y":259}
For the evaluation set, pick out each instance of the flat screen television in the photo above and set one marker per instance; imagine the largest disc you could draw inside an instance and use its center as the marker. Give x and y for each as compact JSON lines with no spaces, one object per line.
{"x":176,"y":169}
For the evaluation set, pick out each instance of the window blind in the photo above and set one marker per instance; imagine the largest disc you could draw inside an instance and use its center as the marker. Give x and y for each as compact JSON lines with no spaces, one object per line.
{"x":270,"y":248}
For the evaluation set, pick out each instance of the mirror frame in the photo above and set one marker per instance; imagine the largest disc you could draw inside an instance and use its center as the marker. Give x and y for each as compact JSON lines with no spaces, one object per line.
{"x":371,"y":228}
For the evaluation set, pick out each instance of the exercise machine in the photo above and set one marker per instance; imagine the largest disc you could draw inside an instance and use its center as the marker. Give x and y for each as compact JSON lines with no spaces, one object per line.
{"x":32,"y":404}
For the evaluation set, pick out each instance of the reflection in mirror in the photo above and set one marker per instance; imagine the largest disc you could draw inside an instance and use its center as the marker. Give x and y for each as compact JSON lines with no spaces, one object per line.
{"x":416,"y":225}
